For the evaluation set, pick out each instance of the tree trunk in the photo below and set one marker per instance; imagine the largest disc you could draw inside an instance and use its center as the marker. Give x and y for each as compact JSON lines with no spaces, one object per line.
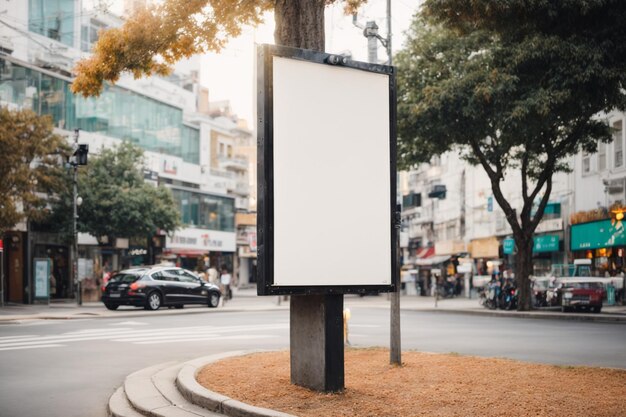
{"x":300,"y":24}
{"x":524,"y":268}
{"x":316,"y":322}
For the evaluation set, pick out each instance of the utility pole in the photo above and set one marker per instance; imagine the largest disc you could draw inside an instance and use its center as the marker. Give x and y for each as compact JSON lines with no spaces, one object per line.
{"x":74,"y":225}
{"x":370,"y":31}
{"x":78,"y":158}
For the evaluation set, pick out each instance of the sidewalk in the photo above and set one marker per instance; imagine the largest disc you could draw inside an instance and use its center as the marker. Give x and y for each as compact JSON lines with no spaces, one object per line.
{"x":247,"y":300}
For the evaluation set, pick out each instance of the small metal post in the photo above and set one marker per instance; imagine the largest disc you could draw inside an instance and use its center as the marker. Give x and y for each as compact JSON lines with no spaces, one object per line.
{"x":2,"y":276}
{"x":74,"y":227}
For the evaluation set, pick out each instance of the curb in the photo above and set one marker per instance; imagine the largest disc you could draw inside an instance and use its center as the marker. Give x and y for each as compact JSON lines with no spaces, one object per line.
{"x":197,"y":394}
{"x":602,"y":318}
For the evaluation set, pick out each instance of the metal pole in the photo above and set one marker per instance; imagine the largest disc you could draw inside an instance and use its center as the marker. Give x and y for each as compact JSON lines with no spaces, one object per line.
{"x":2,"y":276}
{"x":389,"y":51}
{"x":74,"y":229}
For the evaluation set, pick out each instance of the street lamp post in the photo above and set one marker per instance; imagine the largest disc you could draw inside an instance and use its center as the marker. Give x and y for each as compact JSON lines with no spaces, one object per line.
{"x":78,"y":158}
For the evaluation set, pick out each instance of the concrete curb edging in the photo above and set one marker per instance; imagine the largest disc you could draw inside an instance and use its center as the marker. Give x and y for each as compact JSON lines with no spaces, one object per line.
{"x":606,"y":318}
{"x":199,"y":395}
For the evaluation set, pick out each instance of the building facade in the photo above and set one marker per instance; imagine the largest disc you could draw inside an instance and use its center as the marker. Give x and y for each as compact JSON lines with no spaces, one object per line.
{"x":187,"y":149}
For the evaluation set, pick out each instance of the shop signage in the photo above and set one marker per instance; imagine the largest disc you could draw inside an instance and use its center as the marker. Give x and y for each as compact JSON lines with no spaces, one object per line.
{"x":508,"y":246}
{"x":549,"y":225}
{"x":546,"y":243}
{"x":485,"y":248}
{"x":595,"y":235}
{"x":202,"y":239}
{"x":449,"y":247}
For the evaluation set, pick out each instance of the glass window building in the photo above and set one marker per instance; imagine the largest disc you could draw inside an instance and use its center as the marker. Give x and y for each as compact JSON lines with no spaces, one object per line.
{"x":53,"y":19}
{"x":118,"y":113}
{"x":205,"y":210}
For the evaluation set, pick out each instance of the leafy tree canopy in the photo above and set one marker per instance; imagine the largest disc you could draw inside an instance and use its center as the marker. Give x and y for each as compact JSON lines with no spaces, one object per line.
{"x":32,"y":159}
{"x":517,"y":95}
{"x":156,"y":37}
{"x":117,"y":202}
{"x":517,"y":84}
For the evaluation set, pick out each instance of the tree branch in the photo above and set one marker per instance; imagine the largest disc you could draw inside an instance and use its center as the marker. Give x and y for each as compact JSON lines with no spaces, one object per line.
{"x":495,"y":176}
{"x":524,"y":179}
{"x":542,"y":206}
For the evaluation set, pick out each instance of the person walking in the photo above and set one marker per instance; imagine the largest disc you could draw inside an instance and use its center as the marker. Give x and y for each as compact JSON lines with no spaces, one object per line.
{"x":213,"y":275}
{"x":225,"y":280}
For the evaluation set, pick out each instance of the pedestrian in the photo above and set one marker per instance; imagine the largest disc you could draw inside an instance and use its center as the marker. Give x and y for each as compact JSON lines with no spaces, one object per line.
{"x":213,"y":275}
{"x":225,"y":280}
{"x":203,"y":276}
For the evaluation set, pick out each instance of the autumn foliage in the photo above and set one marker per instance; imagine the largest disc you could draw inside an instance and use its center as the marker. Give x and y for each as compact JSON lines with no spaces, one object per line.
{"x":157,"y":36}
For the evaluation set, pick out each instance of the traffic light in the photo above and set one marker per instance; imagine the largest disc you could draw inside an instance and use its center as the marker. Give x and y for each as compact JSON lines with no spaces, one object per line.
{"x":80,"y":155}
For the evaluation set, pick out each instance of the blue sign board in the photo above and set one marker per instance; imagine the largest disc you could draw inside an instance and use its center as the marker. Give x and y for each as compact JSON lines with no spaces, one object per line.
{"x":508,"y":246}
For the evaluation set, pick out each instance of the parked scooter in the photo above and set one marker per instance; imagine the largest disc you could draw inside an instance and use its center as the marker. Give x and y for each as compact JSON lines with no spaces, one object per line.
{"x":508,"y":297}
{"x":492,"y":295}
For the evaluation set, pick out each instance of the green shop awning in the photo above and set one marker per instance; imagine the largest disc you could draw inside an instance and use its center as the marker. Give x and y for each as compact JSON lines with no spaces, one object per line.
{"x":595,"y":235}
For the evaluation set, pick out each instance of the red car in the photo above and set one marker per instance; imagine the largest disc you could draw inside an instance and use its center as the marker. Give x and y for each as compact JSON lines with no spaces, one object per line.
{"x":582,"y":295}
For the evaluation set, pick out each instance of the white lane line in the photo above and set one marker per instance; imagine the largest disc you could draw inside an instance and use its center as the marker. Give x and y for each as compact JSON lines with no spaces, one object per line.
{"x":30,"y":347}
{"x":364,"y":325}
{"x":129,"y":323}
{"x":173,"y":336}
{"x":138,"y":334}
{"x":201,"y":339}
{"x":26,"y":336}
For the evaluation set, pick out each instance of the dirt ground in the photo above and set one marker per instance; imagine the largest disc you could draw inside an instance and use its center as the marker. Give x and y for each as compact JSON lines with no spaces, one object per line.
{"x":441,"y":385}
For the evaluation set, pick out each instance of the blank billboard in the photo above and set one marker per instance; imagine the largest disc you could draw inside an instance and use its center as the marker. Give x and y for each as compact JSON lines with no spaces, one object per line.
{"x":326,"y":174}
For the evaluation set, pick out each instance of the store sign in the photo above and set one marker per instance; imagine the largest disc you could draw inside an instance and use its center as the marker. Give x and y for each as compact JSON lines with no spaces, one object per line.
{"x":549,"y":225}
{"x":202,"y":239}
{"x":595,"y":235}
{"x":485,"y":248}
{"x":508,"y":246}
{"x":449,"y":247}
{"x":546,"y":243}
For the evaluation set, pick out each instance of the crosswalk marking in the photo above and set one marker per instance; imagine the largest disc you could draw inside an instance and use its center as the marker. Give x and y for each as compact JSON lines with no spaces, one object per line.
{"x":202,"y":339}
{"x":143,"y":335}
{"x":29,"y":347}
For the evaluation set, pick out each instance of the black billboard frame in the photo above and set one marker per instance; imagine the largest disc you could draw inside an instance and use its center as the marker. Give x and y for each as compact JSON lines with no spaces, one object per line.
{"x":265,"y":171}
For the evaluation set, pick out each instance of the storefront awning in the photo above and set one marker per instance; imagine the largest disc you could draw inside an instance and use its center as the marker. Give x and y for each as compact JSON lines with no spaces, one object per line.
{"x":425,"y":252}
{"x":433,"y":260}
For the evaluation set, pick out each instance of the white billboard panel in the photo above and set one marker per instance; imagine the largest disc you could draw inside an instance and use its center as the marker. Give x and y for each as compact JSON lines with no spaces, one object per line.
{"x":327,"y":174}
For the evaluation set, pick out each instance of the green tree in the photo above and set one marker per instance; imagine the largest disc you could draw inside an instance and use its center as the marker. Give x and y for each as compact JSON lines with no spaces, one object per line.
{"x":117,"y":202}
{"x":32,"y":159}
{"x":516,"y":85}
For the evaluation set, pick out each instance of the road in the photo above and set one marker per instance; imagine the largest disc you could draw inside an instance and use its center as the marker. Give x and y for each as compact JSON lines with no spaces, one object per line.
{"x":71,"y":367}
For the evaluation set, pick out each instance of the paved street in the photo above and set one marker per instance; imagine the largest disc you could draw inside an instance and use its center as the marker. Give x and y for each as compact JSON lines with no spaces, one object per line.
{"x":71,"y":367}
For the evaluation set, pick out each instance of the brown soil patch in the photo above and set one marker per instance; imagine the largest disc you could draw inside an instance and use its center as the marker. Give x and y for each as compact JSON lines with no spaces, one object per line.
{"x":426,"y":385}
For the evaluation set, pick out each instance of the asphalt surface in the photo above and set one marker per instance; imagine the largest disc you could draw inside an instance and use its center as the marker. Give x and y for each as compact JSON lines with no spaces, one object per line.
{"x":71,"y":367}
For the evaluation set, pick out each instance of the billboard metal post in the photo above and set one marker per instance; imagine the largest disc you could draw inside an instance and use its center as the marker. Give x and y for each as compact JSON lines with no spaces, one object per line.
{"x":326,"y":139}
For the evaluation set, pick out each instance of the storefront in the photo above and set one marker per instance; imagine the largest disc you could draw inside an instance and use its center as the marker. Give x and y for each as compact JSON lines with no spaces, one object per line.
{"x":602,"y":241}
{"x":244,"y":270}
{"x":548,"y":247}
{"x":486,"y":253}
{"x":188,"y":247}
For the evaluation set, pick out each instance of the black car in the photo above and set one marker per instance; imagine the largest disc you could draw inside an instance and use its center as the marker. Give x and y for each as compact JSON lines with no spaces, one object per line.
{"x":154,"y":287}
